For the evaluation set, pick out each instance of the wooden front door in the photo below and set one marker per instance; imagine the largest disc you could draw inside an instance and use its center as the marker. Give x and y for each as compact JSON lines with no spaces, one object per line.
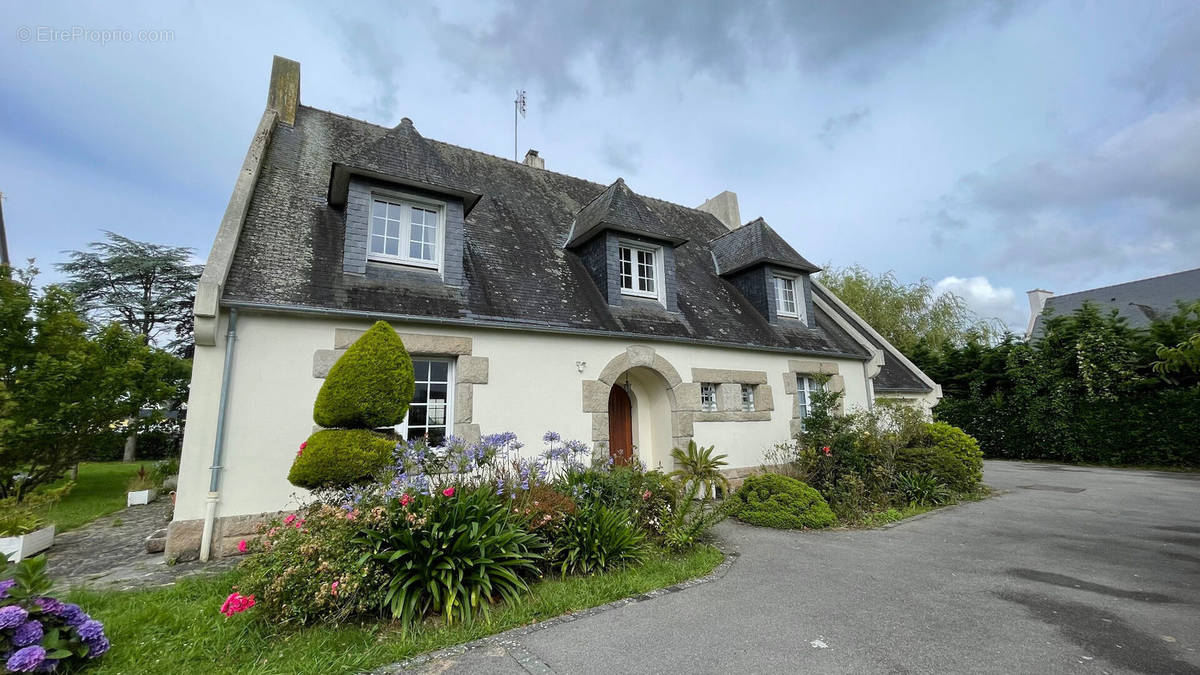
{"x":620,"y":426}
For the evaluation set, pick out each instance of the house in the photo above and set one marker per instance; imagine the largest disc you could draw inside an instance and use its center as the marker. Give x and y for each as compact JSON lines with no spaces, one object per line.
{"x":529,"y":300}
{"x":1139,"y":302}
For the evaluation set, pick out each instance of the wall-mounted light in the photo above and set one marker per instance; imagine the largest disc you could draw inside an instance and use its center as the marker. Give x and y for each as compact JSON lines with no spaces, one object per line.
{"x":581,"y":365}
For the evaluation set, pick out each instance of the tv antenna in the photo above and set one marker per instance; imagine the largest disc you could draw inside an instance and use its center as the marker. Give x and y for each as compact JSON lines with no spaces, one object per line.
{"x":518,"y":107}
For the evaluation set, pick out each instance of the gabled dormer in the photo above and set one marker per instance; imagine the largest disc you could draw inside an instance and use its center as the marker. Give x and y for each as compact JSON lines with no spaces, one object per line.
{"x":627,"y":249}
{"x":404,"y":212}
{"x":768,"y":271}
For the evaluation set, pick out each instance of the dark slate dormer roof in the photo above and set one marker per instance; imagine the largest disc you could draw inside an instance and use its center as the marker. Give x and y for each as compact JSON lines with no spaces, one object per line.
{"x":755,"y":243}
{"x":1140,"y":302}
{"x":517,"y":274}
{"x":618,"y":208}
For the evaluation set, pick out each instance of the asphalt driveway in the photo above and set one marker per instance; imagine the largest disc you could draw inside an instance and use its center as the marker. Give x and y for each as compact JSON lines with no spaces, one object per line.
{"x":1071,"y":570}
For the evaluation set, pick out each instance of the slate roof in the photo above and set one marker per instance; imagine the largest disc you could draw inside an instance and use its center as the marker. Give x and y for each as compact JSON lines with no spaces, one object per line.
{"x":290,"y":251}
{"x":894,"y":377}
{"x":618,"y":208}
{"x":1140,"y":302}
{"x":756,"y":243}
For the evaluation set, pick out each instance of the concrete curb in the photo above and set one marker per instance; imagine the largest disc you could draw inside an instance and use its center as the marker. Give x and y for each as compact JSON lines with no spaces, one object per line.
{"x":509,"y":640}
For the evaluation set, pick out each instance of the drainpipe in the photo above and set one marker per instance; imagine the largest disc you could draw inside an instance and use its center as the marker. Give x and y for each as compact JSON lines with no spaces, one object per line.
{"x":210,"y":505}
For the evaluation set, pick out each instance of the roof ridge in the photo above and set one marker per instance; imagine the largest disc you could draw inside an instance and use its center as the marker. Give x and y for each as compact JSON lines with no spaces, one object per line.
{"x":504,"y":159}
{"x":1123,"y":283}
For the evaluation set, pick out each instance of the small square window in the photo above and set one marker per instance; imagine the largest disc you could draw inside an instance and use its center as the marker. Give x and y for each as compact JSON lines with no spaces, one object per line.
{"x":404,"y":232}
{"x":640,"y":270}
{"x":785,"y":297}
{"x":708,"y":396}
{"x":748,"y":398}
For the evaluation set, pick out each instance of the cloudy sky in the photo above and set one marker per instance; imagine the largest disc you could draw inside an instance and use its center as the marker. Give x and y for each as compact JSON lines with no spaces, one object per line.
{"x":988,"y":147}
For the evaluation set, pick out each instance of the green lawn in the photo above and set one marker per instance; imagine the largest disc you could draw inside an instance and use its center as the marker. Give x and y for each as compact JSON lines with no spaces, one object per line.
{"x":179,"y":630}
{"x":100,"y":490}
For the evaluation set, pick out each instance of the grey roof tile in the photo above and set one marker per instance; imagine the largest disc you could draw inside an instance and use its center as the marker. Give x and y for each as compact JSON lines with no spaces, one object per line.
{"x":755,"y":243}
{"x":1140,"y":302}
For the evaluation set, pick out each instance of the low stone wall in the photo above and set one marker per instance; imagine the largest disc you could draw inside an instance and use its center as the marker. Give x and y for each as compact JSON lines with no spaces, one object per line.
{"x":183,"y":536}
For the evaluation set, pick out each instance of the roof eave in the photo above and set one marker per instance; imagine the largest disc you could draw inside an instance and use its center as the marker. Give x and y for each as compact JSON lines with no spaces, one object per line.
{"x":339,"y":186}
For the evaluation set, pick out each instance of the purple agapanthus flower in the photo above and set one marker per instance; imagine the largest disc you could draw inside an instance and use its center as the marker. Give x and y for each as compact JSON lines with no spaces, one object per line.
{"x":5,"y":585}
{"x":551,"y":437}
{"x":12,"y":616}
{"x":28,"y":633}
{"x":97,"y":647}
{"x":90,"y":630}
{"x":26,"y":660}
{"x":72,"y":615}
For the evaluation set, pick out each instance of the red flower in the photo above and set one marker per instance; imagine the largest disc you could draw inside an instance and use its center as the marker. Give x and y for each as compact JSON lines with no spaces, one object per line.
{"x":405,"y":500}
{"x":303,"y":444}
{"x":448,"y":492}
{"x":826,"y":450}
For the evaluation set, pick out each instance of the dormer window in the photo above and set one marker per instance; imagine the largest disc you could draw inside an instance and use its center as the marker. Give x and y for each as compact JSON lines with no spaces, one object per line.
{"x":641,"y":270}
{"x":405,"y":231}
{"x":785,"y":297}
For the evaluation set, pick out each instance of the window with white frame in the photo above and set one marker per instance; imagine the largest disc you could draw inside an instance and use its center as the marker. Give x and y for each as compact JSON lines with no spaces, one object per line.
{"x":431,"y":409}
{"x":786,"y":301}
{"x":708,"y":396}
{"x":405,"y":231}
{"x":806,"y":386}
{"x":748,"y":398}
{"x":641,"y":270}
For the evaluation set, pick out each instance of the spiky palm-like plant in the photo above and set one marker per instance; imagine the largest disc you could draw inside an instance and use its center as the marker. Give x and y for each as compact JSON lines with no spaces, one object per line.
{"x":698,"y":464}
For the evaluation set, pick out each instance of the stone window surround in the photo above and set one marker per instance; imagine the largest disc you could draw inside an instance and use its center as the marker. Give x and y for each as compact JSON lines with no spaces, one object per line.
{"x":469,"y":370}
{"x":797,"y":367}
{"x":729,"y":395}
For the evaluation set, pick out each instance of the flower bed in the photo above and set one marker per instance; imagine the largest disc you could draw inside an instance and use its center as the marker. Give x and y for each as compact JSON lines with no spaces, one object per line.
{"x":39,"y":632}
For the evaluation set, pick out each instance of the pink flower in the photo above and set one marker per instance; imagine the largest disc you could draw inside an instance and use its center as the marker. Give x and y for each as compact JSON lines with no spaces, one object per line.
{"x":291,"y":518}
{"x":299,"y":523}
{"x":333,"y":588}
{"x":272,"y":532}
{"x":303,"y":444}
{"x":448,"y":492}
{"x":351,"y":515}
{"x":405,"y":500}
{"x":242,"y":546}
{"x":645,"y":495}
{"x":235,"y":603}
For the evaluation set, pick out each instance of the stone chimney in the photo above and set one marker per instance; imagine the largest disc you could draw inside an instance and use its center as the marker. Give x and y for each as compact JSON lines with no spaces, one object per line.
{"x":725,"y":207}
{"x":1037,"y":302}
{"x":284,"y":95}
{"x":532,"y":159}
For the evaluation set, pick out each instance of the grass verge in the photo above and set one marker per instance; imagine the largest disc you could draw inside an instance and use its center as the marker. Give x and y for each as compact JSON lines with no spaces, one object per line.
{"x":99,"y":491}
{"x":179,"y":630}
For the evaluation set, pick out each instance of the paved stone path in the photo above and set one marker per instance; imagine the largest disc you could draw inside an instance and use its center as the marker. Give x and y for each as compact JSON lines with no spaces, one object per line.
{"x":110,"y":552}
{"x":1069,"y":570}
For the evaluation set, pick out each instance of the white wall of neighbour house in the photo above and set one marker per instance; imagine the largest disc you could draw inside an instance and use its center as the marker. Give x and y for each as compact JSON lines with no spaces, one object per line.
{"x":533,"y":385}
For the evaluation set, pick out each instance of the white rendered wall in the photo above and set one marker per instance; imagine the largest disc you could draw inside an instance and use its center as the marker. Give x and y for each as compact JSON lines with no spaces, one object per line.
{"x":534,"y":385}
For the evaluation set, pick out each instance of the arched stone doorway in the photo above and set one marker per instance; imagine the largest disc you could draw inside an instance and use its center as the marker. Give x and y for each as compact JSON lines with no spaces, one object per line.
{"x":662,"y":405}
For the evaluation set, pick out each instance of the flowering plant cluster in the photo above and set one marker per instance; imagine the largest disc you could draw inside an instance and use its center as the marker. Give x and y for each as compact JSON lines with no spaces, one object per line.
{"x":39,"y":632}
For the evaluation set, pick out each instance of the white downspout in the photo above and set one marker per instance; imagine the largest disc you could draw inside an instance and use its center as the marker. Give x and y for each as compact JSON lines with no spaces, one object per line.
{"x":214,"y":494}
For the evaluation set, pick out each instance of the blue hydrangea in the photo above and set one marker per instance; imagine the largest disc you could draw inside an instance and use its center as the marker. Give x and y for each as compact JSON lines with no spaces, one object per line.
{"x":51,"y":606}
{"x":90,"y":630}
{"x":26,"y":660}
{"x":72,"y":615}
{"x":97,"y":647}
{"x":5,"y":585}
{"x":28,"y":633}
{"x":12,"y":616}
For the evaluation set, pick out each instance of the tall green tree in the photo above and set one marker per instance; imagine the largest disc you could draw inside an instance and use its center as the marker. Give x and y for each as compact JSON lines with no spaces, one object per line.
{"x":65,"y":386}
{"x":910,"y":316}
{"x":148,"y":288}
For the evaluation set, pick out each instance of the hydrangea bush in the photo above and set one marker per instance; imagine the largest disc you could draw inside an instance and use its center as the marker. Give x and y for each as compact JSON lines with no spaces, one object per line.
{"x":39,"y":632}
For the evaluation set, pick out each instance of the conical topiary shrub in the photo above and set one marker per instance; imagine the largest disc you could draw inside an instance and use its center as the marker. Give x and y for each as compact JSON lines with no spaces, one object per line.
{"x":370,"y":386}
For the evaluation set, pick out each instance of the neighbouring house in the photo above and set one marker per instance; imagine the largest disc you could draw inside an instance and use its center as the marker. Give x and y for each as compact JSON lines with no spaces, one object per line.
{"x":1139,"y":302}
{"x":529,"y":300}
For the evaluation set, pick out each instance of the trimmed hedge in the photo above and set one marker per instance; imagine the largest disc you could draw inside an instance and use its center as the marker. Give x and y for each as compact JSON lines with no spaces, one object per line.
{"x":336,"y":458}
{"x":958,"y":443}
{"x":772,"y":500}
{"x":370,"y":386}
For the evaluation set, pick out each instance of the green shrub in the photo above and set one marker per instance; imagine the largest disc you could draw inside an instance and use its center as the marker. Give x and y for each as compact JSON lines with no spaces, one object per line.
{"x":698,"y":464}
{"x":849,"y":498}
{"x":922,"y":488}
{"x":305,"y":568}
{"x":451,"y":553}
{"x":689,"y":521}
{"x":958,"y":443}
{"x":597,"y":539}
{"x":334,"y":458}
{"x":370,"y":386}
{"x":772,"y":500}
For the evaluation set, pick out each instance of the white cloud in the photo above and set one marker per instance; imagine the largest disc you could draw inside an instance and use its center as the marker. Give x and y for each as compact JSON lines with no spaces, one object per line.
{"x":986,"y":300}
